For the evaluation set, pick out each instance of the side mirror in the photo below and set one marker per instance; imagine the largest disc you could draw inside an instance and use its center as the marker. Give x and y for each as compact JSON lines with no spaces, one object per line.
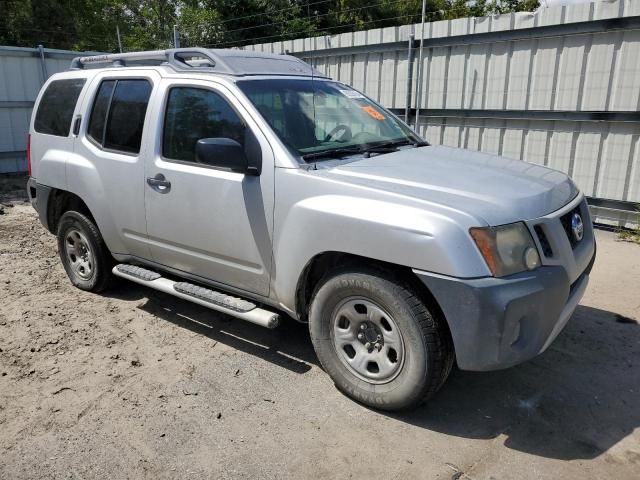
{"x":223,"y":153}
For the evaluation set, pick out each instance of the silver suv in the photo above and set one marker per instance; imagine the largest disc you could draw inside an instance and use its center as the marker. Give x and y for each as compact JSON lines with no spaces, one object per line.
{"x":253,"y":185}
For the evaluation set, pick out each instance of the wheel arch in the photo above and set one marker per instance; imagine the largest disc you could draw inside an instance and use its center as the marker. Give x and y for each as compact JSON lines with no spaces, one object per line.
{"x":325,"y":263}
{"x":61,"y":201}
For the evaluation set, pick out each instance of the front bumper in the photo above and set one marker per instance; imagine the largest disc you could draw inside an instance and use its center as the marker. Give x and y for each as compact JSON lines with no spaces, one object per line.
{"x":499,"y":322}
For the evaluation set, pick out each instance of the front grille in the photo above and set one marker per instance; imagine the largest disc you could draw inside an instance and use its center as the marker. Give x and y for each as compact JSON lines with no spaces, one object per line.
{"x":565,"y":220}
{"x":544,"y":241}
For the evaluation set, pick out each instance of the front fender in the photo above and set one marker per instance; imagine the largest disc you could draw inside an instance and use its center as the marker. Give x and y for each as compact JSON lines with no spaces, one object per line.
{"x":374,"y":228}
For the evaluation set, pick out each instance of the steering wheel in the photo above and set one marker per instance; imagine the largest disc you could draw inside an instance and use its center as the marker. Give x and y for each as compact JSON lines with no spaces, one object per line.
{"x":345,"y":136}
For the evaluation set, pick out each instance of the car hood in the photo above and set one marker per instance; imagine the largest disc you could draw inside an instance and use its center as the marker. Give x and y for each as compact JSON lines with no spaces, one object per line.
{"x":495,"y":189}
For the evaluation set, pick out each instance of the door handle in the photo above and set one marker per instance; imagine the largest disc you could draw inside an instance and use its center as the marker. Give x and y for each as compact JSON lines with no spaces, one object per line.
{"x":159,"y":183}
{"x":76,"y":126}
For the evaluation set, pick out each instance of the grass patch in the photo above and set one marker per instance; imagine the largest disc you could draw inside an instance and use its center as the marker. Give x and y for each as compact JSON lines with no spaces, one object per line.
{"x":631,"y":234}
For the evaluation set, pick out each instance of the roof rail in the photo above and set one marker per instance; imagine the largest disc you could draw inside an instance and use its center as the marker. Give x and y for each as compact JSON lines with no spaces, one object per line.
{"x":225,"y":61}
{"x":176,"y":57}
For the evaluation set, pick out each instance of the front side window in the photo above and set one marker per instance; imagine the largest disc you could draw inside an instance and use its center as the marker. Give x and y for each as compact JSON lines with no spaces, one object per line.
{"x":118,"y":113}
{"x":313,"y":116}
{"x":193,"y":114}
{"x":57,"y":105}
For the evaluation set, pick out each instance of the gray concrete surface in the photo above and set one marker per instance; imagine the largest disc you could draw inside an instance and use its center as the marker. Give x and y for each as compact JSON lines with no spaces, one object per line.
{"x":136,"y":384}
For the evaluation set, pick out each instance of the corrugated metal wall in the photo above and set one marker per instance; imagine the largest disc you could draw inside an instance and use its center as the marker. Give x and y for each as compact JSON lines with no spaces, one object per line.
{"x":559,"y":87}
{"x":22,"y":73}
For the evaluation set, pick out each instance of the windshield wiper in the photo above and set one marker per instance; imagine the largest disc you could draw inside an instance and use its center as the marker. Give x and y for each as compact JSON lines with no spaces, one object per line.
{"x":392,"y":146}
{"x":332,"y":153}
{"x":396,"y":143}
{"x":386,"y":147}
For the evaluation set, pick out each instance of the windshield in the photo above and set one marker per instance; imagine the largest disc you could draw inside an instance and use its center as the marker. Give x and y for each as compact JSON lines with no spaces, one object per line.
{"x":311,"y":117}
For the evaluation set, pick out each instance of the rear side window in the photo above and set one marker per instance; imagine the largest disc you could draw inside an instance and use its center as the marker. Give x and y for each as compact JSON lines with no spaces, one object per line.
{"x":118,"y":113}
{"x":99,"y":111}
{"x":193,"y":114}
{"x":57,"y":105}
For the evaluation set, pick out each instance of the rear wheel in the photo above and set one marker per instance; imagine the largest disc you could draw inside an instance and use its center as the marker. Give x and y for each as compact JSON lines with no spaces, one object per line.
{"x":378,"y":340}
{"x":84,"y":255}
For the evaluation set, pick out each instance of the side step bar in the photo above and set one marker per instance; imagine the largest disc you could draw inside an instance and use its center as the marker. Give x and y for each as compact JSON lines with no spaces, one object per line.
{"x":221,"y":302}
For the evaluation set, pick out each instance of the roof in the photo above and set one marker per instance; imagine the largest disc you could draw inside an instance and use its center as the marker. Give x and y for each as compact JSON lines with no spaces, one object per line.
{"x":221,"y":61}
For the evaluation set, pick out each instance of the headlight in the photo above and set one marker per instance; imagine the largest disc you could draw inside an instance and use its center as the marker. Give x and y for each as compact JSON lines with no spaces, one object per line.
{"x":507,"y":249}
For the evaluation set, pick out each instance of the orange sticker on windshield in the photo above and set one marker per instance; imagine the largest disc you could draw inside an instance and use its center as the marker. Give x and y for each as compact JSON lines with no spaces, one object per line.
{"x":373,"y":112}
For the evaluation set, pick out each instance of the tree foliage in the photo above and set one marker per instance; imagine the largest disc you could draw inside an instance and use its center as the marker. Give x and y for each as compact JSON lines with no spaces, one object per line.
{"x":148,"y":24}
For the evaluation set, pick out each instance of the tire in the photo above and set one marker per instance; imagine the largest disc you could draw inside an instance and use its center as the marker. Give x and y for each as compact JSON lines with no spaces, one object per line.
{"x":396,"y":318}
{"x":83,"y":253}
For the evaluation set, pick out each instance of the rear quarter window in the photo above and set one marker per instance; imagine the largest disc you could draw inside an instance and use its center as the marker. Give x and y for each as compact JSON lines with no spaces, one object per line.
{"x":56,"y":107}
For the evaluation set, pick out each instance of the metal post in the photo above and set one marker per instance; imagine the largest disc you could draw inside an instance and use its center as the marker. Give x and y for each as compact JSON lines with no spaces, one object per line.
{"x":176,"y":37}
{"x":119,"y":41}
{"x":409,"y":78}
{"x":43,"y":65}
{"x":420,"y":69}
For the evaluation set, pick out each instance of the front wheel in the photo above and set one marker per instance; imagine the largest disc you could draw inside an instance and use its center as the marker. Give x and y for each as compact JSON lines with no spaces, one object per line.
{"x":378,"y":340}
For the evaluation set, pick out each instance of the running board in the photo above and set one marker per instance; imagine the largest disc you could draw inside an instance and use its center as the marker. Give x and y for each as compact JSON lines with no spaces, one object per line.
{"x":221,"y":302}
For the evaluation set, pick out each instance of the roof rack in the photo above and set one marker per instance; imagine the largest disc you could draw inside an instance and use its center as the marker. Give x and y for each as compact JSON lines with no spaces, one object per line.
{"x":176,"y":57}
{"x":225,"y":61}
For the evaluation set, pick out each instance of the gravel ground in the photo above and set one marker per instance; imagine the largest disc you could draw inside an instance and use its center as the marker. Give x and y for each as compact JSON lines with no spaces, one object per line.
{"x":138,"y":384}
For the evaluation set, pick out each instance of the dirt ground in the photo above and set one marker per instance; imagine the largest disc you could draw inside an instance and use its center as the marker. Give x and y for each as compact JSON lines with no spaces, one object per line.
{"x":137,"y":384}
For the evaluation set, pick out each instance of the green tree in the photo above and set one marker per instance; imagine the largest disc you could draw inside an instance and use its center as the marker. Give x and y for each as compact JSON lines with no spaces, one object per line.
{"x":200,"y":26}
{"x":27,"y":22}
{"x":148,"y":24}
{"x":96,"y":23}
{"x":509,"y":6}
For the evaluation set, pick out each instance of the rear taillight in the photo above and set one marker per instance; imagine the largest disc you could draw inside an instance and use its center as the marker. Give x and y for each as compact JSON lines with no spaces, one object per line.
{"x":29,"y":154}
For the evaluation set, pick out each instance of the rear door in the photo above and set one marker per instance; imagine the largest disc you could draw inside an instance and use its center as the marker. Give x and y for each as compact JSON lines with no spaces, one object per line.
{"x":108,"y":166}
{"x":209,"y":222}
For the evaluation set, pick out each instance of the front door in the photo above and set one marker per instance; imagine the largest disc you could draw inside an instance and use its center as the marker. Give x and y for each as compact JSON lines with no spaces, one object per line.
{"x":202,"y":220}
